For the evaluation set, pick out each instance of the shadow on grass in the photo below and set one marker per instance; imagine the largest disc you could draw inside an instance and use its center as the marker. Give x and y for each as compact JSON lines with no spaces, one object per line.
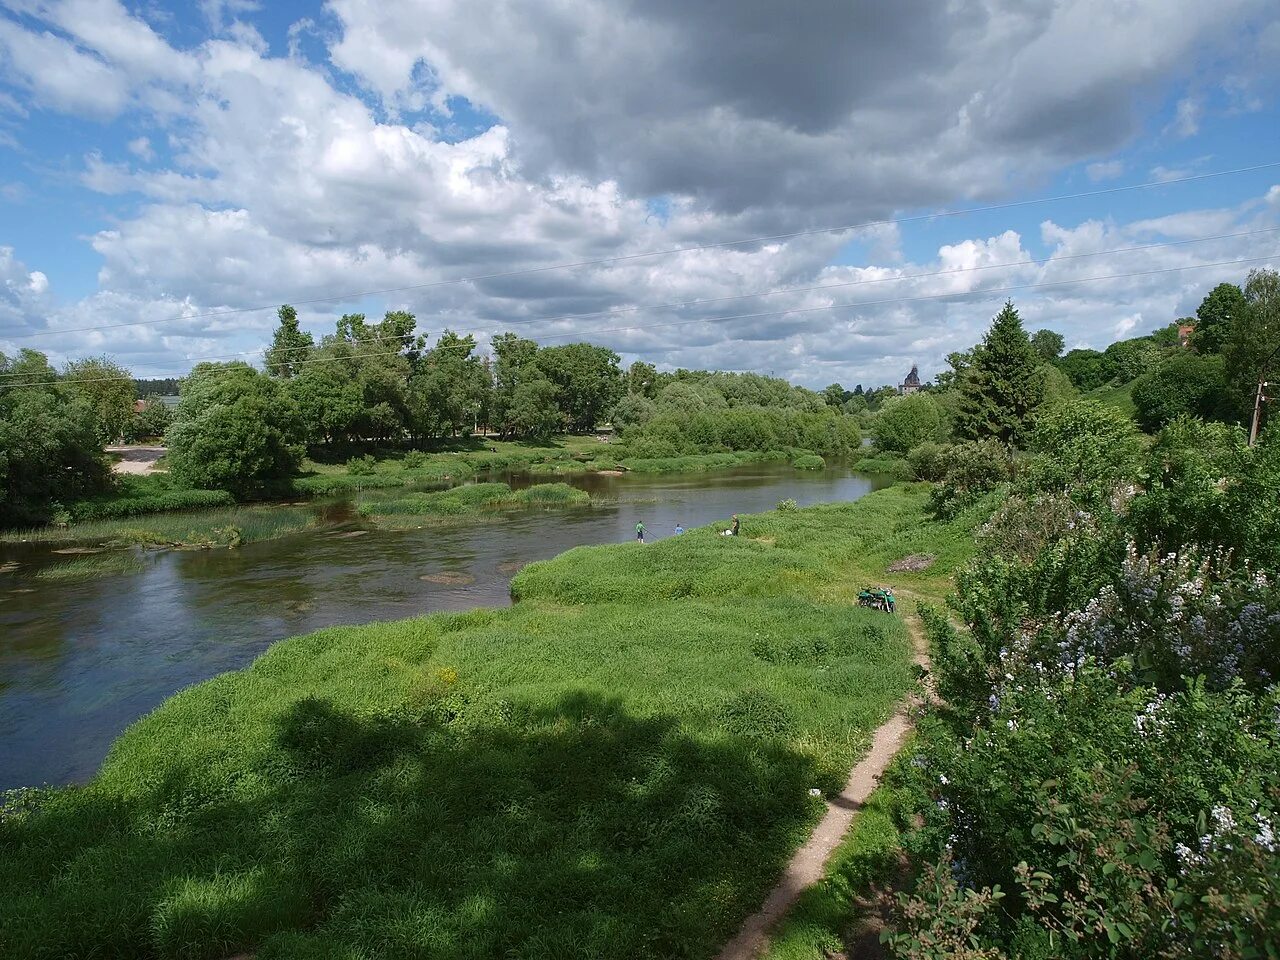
{"x":573,"y":828}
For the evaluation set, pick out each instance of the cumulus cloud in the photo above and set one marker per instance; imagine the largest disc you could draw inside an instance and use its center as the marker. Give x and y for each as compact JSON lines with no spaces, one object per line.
{"x":622,"y":129}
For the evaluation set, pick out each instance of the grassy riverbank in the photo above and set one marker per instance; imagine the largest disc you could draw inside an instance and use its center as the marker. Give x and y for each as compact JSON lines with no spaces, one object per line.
{"x":617,"y":766}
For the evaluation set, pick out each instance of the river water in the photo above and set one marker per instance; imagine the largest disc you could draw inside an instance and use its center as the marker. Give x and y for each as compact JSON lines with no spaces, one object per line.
{"x":80,"y":662}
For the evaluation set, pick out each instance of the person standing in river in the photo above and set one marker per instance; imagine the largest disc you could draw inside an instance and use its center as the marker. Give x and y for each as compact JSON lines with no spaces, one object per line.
{"x":640,"y":530}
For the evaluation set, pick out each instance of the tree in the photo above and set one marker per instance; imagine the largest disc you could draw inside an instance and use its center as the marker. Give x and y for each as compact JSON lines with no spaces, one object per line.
{"x":587,"y":379}
{"x":50,"y":451}
{"x":1087,"y":369}
{"x":1214,"y":317}
{"x":1002,"y":387}
{"x":236,"y":429}
{"x":907,"y":422}
{"x":642,"y":379}
{"x":289,"y":347}
{"x":633,"y":410}
{"x":1185,"y":384}
{"x":451,"y":387}
{"x":108,"y":389}
{"x":1048,"y":344}
{"x":151,"y":421}
{"x":534,"y":411}
{"x":835,"y":395}
{"x":515,"y":363}
{"x":1252,"y":345}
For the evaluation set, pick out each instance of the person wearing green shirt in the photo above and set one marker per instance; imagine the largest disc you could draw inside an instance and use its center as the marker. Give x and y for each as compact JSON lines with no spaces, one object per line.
{"x":640,"y":531}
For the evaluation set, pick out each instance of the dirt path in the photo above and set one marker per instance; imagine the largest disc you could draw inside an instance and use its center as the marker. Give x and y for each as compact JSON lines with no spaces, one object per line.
{"x":136,"y":459}
{"x":808,"y":865}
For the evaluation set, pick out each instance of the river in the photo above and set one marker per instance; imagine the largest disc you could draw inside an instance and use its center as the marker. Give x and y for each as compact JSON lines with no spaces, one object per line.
{"x":80,"y":662}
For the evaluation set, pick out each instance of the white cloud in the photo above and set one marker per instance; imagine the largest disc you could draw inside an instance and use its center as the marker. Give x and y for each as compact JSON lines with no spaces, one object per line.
{"x":1186,"y":119}
{"x":58,"y":75}
{"x":141,"y":148}
{"x":283,"y":185}
{"x":1104,"y":170}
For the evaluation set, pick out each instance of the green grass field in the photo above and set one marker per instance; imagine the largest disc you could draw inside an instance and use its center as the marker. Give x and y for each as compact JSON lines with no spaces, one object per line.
{"x":1118,"y":398}
{"x":616,"y":767}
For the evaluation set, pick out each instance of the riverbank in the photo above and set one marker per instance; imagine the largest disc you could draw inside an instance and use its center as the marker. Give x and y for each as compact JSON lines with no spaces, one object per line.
{"x":528,"y":779}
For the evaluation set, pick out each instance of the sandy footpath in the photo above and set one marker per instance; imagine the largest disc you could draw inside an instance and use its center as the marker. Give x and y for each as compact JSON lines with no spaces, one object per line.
{"x":136,"y":459}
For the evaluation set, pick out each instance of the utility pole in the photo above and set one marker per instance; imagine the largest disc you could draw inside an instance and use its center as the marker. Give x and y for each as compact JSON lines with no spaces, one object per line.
{"x":1257,"y":411}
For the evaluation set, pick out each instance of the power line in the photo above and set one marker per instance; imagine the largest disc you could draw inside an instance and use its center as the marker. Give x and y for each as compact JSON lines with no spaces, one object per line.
{"x":636,"y":308}
{"x":672,"y":251}
{"x":978,"y":295}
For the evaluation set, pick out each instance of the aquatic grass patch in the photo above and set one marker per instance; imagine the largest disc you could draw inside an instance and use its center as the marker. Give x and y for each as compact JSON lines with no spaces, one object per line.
{"x":614,"y":775}
{"x":809,"y":461}
{"x":472,"y":499}
{"x":225,"y":527}
{"x":89,"y":568}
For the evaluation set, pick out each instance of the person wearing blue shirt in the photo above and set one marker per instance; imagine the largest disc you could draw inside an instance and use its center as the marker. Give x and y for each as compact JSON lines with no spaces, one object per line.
{"x":679,"y":529}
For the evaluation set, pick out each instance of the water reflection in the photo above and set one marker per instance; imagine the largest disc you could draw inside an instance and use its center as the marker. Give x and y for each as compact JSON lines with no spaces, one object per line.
{"x":79,"y":662}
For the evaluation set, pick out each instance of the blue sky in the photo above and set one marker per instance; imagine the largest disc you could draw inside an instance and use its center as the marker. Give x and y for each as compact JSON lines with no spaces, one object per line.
{"x":162,"y":160}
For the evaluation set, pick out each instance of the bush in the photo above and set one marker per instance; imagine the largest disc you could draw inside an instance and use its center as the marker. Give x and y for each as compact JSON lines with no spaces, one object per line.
{"x":155,"y":503}
{"x":412,"y":460}
{"x":929,"y":461}
{"x":809,"y":461}
{"x":788,"y":504}
{"x":364,"y":466}
{"x":1185,"y":384}
{"x":907,"y":422}
{"x":968,"y":472}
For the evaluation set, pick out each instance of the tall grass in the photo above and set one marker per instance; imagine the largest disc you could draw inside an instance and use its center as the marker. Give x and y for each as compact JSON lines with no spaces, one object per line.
{"x":616,"y":767}
{"x":88,"y":568}
{"x":472,"y":499}
{"x":197,"y":528}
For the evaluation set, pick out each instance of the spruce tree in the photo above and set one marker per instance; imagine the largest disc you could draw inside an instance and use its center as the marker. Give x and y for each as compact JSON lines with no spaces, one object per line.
{"x":1002,"y":385}
{"x":290,"y":345}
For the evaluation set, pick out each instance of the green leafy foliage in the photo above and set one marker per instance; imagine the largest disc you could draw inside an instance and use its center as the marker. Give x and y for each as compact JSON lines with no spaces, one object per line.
{"x":907,"y":422}
{"x":50,"y":441}
{"x":237,"y":430}
{"x":1185,"y":384}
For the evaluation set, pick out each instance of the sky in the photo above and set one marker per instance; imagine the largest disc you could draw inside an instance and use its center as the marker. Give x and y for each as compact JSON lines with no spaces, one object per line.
{"x":170,"y":172}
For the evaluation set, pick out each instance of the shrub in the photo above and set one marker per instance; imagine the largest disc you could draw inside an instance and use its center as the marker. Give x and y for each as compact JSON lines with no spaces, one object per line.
{"x":809,"y":461}
{"x":1186,"y":384}
{"x":969,"y":471}
{"x":907,"y":422}
{"x":364,"y":466}
{"x":928,"y":461}
{"x":788,"y":504}
{"x":412,"y":460}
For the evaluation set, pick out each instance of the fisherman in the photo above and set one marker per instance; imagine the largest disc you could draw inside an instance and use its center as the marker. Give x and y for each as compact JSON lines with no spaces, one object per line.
{"x":679,"y":529}
{"x":640,"y":530}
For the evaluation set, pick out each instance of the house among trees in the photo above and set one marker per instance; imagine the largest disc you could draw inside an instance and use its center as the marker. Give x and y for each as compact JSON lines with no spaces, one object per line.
{"x":912,"y":383}
{"x":1185,"y":330}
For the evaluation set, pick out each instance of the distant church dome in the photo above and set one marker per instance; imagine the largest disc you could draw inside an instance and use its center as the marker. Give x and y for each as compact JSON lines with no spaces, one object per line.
{"x":912,"y":383}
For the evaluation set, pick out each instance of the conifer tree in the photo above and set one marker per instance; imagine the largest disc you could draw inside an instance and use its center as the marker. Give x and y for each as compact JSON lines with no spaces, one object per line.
{"x":1002,"y":385}
{"x":289,"y":346}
